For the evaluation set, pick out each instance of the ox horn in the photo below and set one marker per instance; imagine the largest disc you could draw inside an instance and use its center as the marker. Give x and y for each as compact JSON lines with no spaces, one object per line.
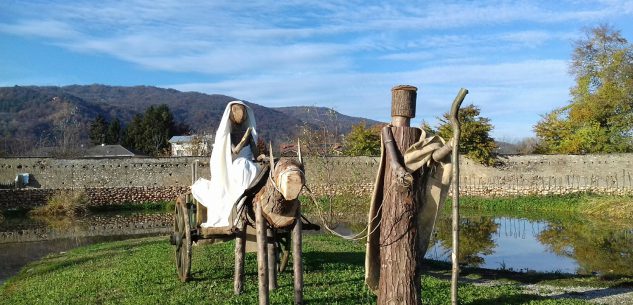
{"x":272,"y":159}
{"x":299,"y":152}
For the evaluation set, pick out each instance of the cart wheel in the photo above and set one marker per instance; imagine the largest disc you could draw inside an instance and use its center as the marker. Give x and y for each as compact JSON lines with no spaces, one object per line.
{"x":182,"y":239}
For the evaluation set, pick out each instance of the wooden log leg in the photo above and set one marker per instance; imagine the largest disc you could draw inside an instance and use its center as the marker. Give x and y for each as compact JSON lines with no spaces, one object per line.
{"x":240,"y":249}
{"x":262,"y":251}
{"x":297,"y":261}
{"x":272,"y":260}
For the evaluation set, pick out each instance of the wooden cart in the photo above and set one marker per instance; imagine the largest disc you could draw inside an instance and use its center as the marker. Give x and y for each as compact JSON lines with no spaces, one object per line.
{"x":269,"y":210}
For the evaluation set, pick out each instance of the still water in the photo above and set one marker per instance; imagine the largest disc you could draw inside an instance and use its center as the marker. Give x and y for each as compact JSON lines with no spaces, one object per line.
{"x":23,"y":239}
{"x":518,"y":241}
{"x":546,"y":243}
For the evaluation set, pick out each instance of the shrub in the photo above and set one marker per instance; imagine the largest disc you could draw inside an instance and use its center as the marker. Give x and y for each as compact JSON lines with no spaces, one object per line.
{"x":69,"y":203}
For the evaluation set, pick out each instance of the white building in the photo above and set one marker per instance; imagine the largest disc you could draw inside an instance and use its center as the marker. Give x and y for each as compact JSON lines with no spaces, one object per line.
{"x":191,"y":145}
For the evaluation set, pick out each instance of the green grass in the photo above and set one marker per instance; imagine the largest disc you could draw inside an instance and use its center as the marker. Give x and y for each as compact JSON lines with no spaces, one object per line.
{"x":142,"y":271}
{"x":605,"y":206}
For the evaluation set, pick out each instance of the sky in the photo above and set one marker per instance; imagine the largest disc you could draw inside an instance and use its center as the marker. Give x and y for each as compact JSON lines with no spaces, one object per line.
{"x":512,"y":56}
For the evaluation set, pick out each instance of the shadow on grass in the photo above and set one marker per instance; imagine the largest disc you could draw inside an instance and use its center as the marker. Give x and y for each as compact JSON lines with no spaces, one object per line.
{"x":316,"y":260}
{"x":510,"y":299}
{"x":442,"y":270}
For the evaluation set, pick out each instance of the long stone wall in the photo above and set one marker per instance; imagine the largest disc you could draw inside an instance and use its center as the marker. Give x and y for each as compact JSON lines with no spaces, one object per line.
{"x":111,"y":181}
{"x":518,"y":175}
{"x":51,"y":173}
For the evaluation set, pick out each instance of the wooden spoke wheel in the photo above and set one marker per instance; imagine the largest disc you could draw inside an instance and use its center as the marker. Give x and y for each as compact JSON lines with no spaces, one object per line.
{"x":182,"y":239}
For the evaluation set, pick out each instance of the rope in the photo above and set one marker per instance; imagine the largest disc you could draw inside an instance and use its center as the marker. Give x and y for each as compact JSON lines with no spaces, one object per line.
{"x":358,"y":236}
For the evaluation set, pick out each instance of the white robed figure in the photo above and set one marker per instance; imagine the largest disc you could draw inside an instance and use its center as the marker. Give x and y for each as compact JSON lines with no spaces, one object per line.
{"x":232,"y":166}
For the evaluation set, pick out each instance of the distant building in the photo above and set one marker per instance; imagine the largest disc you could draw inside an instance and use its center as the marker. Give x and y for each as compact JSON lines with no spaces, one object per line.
{"x":110,"y":151}
{"x":190,"y":145}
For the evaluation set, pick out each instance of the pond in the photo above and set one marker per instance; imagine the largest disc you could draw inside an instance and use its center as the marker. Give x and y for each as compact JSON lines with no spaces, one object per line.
{"x":518,"y":241}
{"x":538,"y":242}
{"x":24,"y":239}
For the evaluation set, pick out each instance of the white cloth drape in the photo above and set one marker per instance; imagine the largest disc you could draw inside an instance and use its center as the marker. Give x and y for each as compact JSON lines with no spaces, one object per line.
{"x":230,"y":175}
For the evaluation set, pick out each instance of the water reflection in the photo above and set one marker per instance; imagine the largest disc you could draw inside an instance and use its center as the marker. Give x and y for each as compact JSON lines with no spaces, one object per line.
{"x":476,"y":238}
{"x":24,"y":239}
{"x":524,"y":242}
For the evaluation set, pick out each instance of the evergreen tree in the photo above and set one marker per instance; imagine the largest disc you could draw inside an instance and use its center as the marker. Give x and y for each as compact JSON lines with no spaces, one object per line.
{"x":98,"y":129}
{"x":150,"y":132}
{"x":113,"y":135}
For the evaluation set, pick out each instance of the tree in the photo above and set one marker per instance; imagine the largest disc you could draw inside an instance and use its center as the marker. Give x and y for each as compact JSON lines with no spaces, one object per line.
{"x":599,"y":118}
{"x":475,"y":141}
{"x":113,"y":135}
{"x":98,"y":129}
{"x":150,"y":132}
{"x":363,"y":141}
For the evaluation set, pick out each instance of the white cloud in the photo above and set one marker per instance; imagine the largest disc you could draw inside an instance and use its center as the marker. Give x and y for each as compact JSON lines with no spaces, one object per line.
{"x":341,"y":54}
{"x":502,"y":91}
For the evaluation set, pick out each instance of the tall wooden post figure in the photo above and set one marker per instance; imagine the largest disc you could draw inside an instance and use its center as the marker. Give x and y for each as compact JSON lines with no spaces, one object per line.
{"x":411,"y":185}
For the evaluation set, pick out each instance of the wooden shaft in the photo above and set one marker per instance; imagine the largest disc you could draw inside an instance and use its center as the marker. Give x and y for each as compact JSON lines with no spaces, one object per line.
{"x":262,"y":251}
{"x":399,"y":253}
{"x":245,"y":141}
{"x":272,"y":260}
{"x":297,"y":259}
{"x":404,"y":179}
{"x":240,"y":249}
{"x":454,"y":116}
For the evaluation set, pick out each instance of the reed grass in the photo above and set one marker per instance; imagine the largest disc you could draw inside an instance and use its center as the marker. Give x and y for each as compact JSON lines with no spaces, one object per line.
{"x":70,"y":203}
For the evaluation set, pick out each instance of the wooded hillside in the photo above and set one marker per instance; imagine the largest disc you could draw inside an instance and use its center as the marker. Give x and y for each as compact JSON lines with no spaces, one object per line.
{"x":33,"y":118}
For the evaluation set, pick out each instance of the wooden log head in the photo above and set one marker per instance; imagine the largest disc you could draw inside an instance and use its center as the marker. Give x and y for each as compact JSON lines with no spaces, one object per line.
{"x":238,"y":114}
{"x":403,"y":99}
{"x":289,"y":177}
{"x":279,"y":196}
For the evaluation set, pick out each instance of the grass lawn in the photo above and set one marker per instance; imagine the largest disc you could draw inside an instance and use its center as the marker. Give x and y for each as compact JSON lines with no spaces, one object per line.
{"x":142,"y":271}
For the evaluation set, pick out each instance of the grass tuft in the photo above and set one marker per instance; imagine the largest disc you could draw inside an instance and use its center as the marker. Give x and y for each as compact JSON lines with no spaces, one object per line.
{"x":610,"y":206}
{"x":70,"y":203}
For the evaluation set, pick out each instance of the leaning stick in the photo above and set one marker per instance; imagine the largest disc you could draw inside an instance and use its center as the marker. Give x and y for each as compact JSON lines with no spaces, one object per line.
{"x":455,"y":160}
{"x":262,"y":253}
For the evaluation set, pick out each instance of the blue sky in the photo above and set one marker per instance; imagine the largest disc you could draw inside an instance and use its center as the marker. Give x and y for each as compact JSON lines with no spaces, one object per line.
{"x":513,"y":56}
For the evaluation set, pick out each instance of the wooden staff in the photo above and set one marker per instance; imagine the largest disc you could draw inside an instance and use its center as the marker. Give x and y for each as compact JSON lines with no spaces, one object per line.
{"x":240,"y":249}
{"x":262,"y":253}
{"x":272,"y":260}
{"x":297,"y":259}
{"x":454,"y":116}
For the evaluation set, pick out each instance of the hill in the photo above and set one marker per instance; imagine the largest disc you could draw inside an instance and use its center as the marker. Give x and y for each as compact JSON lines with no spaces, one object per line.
{"x":321,"y":116}
{"x":34,"y":117}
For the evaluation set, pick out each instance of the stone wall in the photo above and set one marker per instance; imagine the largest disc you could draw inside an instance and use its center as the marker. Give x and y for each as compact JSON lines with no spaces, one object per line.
{"x":99,"y":196}
{"x":111,"y":181}
{"x":51,"y":173}
{"x":518,"y":175}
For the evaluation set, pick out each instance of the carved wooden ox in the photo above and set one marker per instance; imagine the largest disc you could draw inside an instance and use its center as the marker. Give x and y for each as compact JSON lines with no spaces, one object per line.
{"x":276,"y":210}
{"x":274,"y":206}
